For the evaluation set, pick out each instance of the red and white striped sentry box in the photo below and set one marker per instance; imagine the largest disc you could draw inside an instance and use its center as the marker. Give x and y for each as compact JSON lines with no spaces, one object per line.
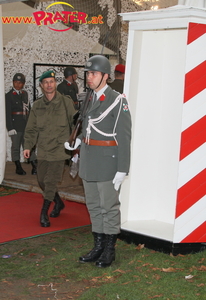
{"x":190,"y":219}
{"x":163,"y":199}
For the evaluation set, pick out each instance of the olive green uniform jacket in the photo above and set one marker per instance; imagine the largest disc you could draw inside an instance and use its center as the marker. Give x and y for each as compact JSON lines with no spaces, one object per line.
{"x":100,"y":163}
{"x":117,"y":85}
{"x":49,"y":126}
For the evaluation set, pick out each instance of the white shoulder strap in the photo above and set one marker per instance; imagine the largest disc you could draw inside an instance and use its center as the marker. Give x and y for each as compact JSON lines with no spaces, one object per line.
{"x":91,"y":122}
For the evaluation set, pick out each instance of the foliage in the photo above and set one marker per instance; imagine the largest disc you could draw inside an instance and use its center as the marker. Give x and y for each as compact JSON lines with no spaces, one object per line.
{"x":4,"y":191}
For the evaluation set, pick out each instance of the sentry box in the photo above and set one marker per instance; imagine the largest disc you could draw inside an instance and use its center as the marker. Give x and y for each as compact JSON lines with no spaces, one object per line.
{"x":163,"y":200}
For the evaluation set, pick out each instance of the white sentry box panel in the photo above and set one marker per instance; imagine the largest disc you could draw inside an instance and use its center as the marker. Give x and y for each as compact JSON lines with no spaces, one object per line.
{"x":154,"y":86}
{"x":155,"y":94}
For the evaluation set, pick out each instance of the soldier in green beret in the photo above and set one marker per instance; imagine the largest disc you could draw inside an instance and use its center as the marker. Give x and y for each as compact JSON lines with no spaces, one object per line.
{"x":49,"y":126}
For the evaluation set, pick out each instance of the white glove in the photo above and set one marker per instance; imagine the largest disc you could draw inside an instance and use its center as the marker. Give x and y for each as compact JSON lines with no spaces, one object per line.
{"x":118,"y":179}
{"x":76,"y":145}
{"x":12,"y":132}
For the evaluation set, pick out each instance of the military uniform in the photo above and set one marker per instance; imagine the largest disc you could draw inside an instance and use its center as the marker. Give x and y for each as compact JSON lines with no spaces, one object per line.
{"x":99,"y":164}
{"x":17,"y":112}
{"x":69,"y":89}
{"x":104,"y":159}
{"x":49,"y":126}
{"x":109,"y":159}
{"x":117,"y":85}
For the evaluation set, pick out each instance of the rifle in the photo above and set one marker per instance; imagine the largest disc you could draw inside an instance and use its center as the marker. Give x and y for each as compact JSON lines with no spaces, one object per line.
{"x":78,"y":117}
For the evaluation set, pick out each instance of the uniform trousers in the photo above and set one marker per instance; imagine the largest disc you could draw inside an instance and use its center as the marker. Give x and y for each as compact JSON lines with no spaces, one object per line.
{"x":102,"y":202}
{"x":49,"y":174}
{"x":17,"y":142}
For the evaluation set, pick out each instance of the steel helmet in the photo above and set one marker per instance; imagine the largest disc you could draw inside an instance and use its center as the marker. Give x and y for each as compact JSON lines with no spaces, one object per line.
{"x":19,"y":77}
{"x":69,"y":71}
{"x":98,"y":63}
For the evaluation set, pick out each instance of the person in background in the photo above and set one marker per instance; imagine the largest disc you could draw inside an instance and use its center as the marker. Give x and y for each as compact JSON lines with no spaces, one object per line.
{"x":118,"y":83}
{"x":104,"y":159}
{"x":68,"y":86}
{"x":49,"y":125}
{"x":17,"y":112}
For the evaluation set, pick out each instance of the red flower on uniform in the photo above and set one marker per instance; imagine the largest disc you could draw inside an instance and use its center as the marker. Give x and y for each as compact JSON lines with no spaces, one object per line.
{"x":102,"y":97}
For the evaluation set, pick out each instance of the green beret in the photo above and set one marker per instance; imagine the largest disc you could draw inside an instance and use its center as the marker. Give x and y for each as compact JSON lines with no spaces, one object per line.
{"x":47,"y":74}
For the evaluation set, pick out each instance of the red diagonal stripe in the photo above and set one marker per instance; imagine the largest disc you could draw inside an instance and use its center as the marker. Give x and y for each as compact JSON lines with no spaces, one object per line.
{"x":195,"y":81}
{"x":190,"y":193}
{"x":196,"y":236}
{"x":196,"y":73}
{"x":195,"y":31}
{"x":193,"y":137}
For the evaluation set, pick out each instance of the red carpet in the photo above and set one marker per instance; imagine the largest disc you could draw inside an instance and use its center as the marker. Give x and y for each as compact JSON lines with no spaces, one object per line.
{"x":20,"y":216}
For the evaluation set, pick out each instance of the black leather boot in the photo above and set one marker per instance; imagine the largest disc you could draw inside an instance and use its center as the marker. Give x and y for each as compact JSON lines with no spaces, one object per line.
{"x":19,"y":169}
{"x":94,"y":254}
{"x":58,"y":206}
{"x":34,"y":167}
{"x":108,"y":256}
{"x":44,"y":219}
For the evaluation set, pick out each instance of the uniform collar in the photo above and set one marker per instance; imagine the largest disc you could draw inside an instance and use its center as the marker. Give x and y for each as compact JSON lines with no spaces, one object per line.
{"x":68,"y":82}
{"x":101,"y":92}
{"x":55,"y":99}
{"x":17,"y":91}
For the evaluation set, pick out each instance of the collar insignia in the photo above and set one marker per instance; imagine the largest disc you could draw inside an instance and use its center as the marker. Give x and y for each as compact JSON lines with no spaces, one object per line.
{"x":102,"y":97}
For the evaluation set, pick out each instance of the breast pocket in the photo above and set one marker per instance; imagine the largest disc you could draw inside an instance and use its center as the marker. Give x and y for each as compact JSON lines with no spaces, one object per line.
{"x":60,"y":118}
{"x":40,"y":116}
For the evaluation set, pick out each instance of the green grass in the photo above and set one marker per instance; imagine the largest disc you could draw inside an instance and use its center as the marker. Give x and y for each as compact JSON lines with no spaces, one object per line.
{"x":137,"y":274}
{"x":4,"y":191}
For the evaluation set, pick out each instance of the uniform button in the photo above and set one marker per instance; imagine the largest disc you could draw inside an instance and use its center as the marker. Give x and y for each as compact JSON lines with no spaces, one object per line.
{"x":113,"y":155}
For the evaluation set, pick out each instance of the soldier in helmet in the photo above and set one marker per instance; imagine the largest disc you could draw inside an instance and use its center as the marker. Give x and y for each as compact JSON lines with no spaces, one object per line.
{"x":104,"y":159}
{"x":68,"y":86}
{"x":17,"y":112}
